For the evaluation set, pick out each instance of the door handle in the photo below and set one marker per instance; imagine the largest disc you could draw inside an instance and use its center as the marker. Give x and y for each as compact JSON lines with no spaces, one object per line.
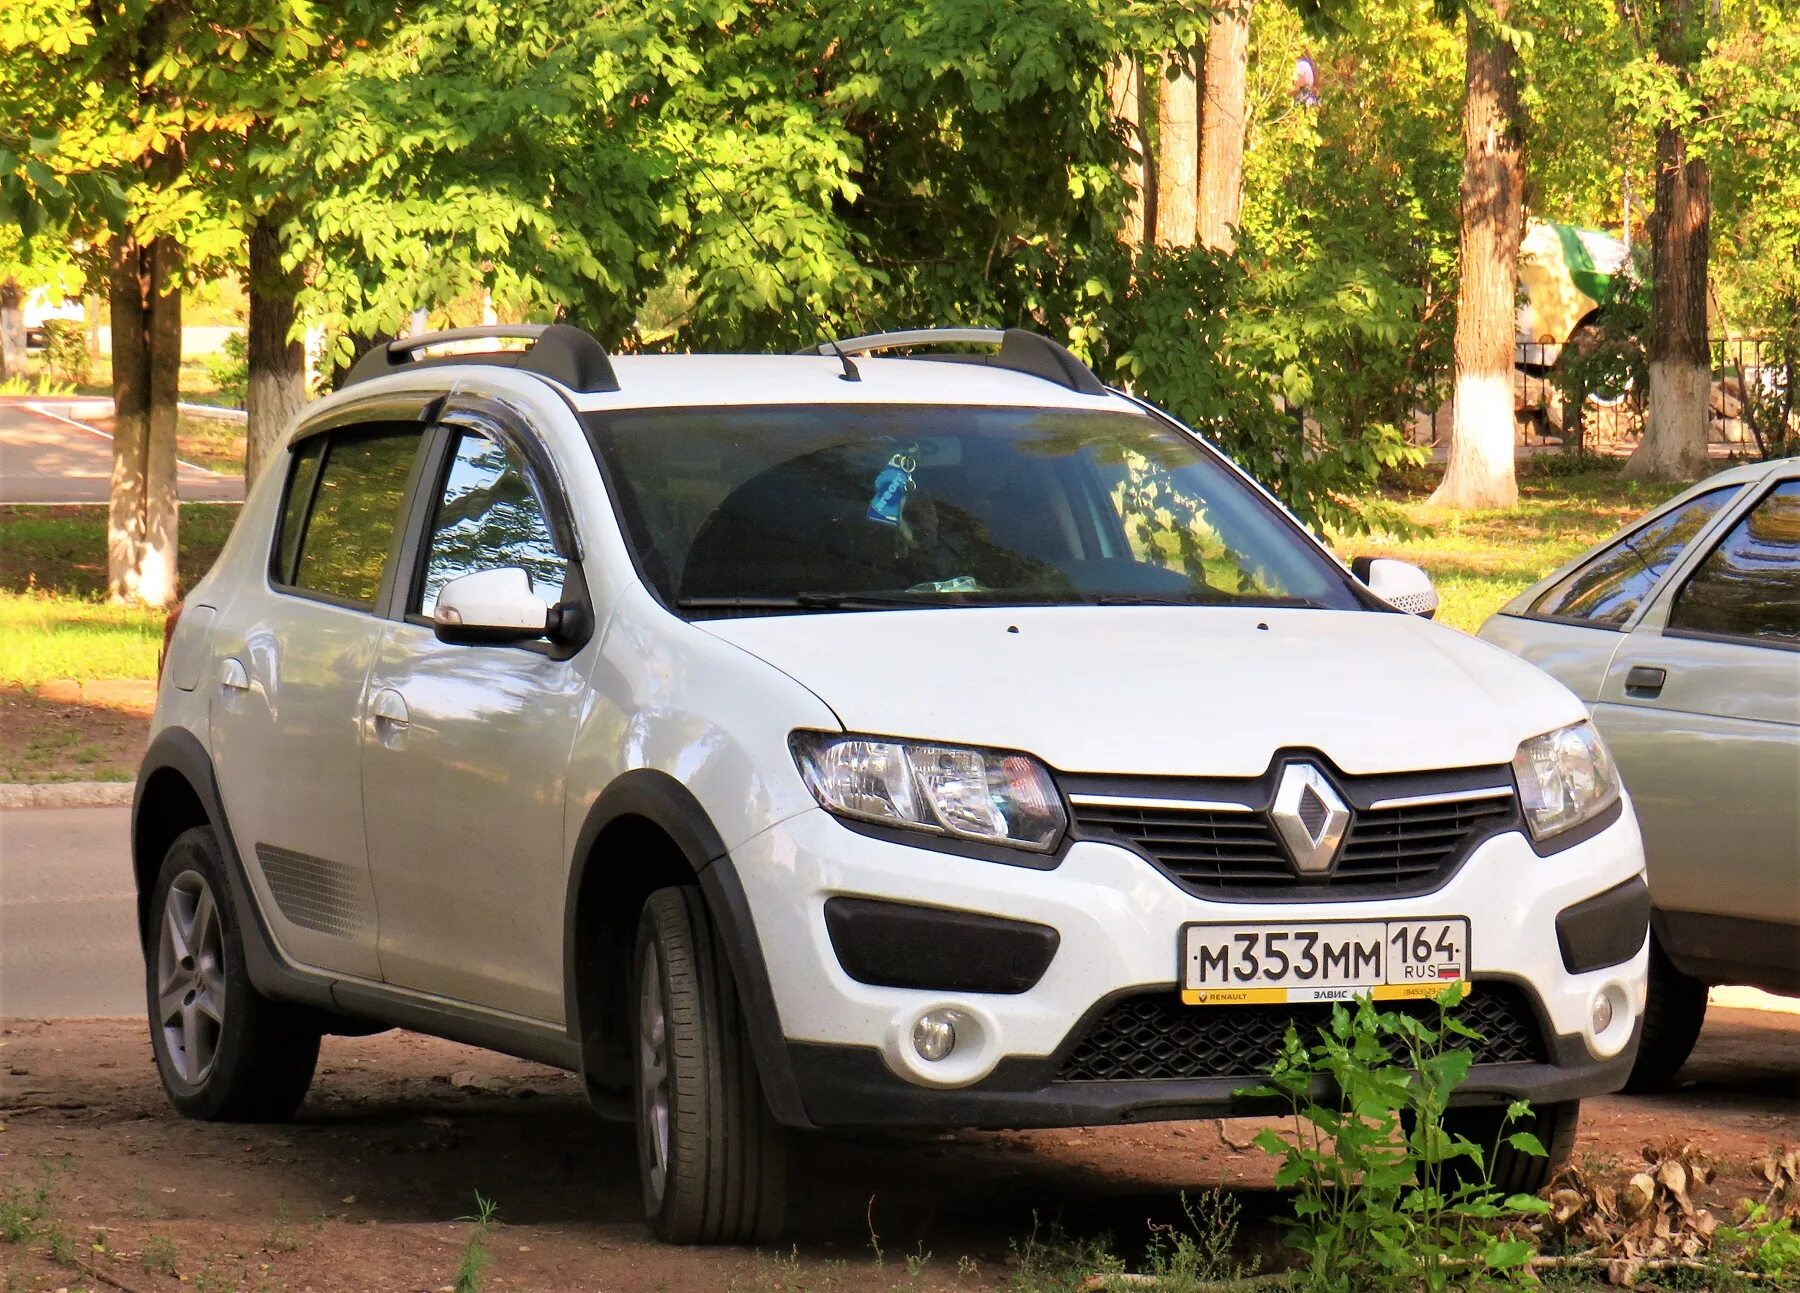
{"x":233,"y":676}
{"x":390,"y":708}
{"x":1645,"y":681}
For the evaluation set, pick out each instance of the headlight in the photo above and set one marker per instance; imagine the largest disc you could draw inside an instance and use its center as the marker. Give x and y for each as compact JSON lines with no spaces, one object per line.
{"x":1565,"y":778}
{"x":954,"y":790}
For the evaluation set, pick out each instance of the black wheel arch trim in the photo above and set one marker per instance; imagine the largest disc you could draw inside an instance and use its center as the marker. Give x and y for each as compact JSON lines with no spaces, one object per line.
{"x":660,"y":799}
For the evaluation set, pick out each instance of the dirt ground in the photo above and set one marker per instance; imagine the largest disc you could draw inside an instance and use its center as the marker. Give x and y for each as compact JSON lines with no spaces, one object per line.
{"x":371,"y":1188}
{"x":72,"y":731}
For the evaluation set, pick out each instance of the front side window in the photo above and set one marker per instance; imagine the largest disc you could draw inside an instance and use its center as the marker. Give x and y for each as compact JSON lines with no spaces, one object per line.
{"x":1749,"y":585}
{"x":1608,"y":590}
{"x":340,"y":548}
{"x":817,"y":507}
{"x":487,"y":517}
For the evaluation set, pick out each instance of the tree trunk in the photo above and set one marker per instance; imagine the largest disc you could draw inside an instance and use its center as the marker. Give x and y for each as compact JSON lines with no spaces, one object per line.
{"x":1177,"y":151}
{"x":12,"y":329}
{"x":1480,"y":471}
{"x":277,"y":385}
{"x":1125,"y":89}
{"x":1222,"y":96}
{"x":1674,"y":443}
{"x":146,"y":362}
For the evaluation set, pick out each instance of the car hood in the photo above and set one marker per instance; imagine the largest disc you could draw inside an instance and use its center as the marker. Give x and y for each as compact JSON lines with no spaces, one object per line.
{"x":1183,"y":691}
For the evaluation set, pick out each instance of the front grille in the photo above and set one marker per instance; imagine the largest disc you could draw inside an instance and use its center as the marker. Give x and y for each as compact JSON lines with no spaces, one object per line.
{"x":1409,"y":849}
{"x":1153,"y":1037}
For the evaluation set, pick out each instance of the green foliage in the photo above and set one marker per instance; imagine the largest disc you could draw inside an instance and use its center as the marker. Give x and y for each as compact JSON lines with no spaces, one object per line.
{"x":1769,"y":1244}
{"x":65,"y":351}
{"x":159,"y":1257}
{"x":1191,"y":1256}
{"x":1375,"y":1205}
{"x":471,"y":1269}
{"x":1289,"y":368}
{"x":229,"y":368}
{"x":46,"y":384}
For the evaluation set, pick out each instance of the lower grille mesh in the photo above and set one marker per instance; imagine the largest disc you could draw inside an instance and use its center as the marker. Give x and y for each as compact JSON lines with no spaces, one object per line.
{"x":1152,"y":1036}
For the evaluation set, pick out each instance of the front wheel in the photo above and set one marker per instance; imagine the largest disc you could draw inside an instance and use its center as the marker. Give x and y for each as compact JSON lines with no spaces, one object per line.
{"x":711,"y":1159}
{"x":225,"y":1052}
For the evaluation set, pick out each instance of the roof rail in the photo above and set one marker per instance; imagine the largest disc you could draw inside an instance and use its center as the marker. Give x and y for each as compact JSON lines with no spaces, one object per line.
{"x":557,"y":351}
{"x":1021,"y":351}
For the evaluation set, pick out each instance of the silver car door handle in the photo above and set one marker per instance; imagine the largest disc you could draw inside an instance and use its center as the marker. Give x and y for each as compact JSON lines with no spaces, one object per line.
{"x":1645,"y":681}
{"x":390,"y":708}
{"x":233,"y":676}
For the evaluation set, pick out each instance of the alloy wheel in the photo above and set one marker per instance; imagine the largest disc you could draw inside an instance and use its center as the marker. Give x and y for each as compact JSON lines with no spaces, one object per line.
{"x":190,"y":977}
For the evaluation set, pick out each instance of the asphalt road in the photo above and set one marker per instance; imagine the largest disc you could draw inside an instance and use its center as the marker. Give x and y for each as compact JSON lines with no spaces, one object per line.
{"x":68,"y":942}
{"x":46,"y":458}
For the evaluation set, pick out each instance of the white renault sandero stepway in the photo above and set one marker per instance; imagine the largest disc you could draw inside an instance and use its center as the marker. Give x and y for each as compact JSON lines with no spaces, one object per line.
{"x":939,"y":739}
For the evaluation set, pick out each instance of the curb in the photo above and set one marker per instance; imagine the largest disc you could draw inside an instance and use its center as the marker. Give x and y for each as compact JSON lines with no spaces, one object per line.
{"x":65,"y":794}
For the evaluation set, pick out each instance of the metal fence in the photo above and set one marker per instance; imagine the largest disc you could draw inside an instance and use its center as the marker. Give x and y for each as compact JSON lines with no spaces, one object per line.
{"x":1754,"y":407}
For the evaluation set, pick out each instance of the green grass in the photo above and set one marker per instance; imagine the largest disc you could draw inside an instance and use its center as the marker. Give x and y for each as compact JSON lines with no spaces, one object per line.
{"x":54,"y":621}
{"x":1481,"y":560}
{"x":63,"y":549}
{"x":46,"y":636}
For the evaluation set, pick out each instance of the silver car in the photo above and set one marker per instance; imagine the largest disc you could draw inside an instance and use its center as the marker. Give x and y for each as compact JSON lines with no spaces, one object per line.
{"x":1683,"y":636}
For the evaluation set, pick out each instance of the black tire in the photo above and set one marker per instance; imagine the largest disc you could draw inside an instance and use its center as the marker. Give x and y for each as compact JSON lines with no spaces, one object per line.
{"x":258,"y":1054}
{"x":1509,"y":1170}
{"x":721,"y":1177}
{"x":1674,"y":1010}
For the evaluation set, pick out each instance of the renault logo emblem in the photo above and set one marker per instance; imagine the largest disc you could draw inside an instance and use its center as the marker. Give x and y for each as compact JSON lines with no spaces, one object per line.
{"x":1310,"y":817}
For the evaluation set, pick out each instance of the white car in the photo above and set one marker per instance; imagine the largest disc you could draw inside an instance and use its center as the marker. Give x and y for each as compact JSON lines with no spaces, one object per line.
{"x":942,"y":739}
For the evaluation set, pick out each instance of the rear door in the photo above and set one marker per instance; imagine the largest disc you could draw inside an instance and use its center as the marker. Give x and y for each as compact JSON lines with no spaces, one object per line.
{"x":1701,"y":706}
{"x":466,"y":747}
{"x":292,"y":660}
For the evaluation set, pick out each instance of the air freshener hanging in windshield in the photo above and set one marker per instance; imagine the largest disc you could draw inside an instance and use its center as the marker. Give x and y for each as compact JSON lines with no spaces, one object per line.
{"x":891,"y":488}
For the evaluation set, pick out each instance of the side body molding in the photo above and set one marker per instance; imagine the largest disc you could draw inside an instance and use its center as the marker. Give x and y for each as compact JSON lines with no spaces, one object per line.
{"x":661,"y":800}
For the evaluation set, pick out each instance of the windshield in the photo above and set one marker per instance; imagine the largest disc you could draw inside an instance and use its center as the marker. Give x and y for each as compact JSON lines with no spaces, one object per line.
{"x":745,"y":510}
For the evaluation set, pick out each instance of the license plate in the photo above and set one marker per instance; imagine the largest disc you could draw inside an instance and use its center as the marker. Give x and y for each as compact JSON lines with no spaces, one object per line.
{"x":1324,"y":960}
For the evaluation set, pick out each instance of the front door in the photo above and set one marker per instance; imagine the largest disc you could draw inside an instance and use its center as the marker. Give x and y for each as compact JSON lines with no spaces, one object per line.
{"x":465,"y":753}
{"x":291,"y":664}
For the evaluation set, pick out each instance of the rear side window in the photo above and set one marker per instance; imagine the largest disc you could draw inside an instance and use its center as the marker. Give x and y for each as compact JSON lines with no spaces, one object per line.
{"x":1749,"y":585}
{"x":336,"y":543}
{"x":1608,"y":590}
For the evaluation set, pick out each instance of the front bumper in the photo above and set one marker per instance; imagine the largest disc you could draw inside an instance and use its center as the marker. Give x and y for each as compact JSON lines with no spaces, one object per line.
{"x":847,"y":1044}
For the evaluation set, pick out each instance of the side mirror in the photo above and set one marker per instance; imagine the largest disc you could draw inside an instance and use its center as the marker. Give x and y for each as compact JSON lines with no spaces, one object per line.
{"x":491,"y":606}
{"x":1400,"y":584}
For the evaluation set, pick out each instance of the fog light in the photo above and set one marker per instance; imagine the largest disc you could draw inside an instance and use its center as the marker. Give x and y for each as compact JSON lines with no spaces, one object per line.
{"x":934,"y":1036}
{"x":1603,"y":1012}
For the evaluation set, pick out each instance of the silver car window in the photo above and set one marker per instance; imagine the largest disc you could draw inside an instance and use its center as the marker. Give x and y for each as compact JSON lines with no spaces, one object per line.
{"x":1610,"y":587}
{"x":1749,"y":584}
